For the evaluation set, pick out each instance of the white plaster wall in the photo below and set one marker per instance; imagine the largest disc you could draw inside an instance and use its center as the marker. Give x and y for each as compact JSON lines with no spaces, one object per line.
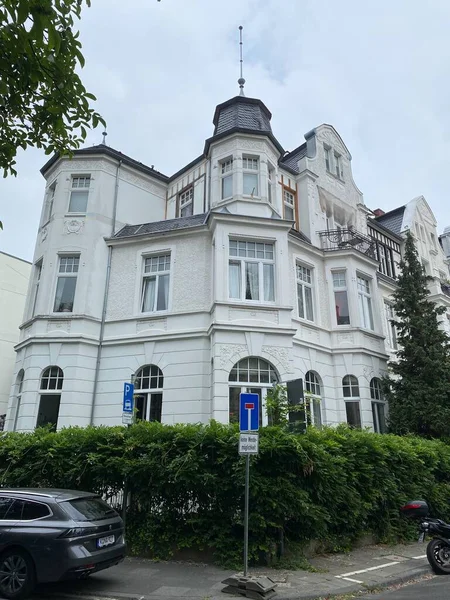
{"x":14,"y":279}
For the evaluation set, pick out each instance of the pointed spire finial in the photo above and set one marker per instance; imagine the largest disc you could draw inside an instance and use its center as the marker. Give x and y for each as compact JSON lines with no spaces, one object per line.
{"x":241,"y":80}
{"x":104,"y":138}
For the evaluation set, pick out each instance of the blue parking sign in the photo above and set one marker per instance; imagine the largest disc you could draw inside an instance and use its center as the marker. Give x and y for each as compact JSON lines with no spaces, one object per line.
{"x":248,"y":412}
{"x":128,"y":391}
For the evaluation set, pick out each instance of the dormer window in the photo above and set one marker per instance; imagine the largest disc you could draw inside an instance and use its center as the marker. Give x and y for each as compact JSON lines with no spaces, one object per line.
{"x":79,"y":193}
{"x":227,"y":178}
{"x":250,"y":167}
{"x":186,"y":203}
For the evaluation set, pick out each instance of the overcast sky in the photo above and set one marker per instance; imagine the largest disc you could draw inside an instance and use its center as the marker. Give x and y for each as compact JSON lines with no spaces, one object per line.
{"x":378,"y":70}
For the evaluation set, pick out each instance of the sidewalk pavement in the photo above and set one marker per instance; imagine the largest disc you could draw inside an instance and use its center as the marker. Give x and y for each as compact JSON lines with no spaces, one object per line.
{"x":140,"y":579}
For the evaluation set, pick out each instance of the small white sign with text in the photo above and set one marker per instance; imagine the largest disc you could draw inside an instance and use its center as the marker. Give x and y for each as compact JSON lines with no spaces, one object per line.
{"x":248,"y":443}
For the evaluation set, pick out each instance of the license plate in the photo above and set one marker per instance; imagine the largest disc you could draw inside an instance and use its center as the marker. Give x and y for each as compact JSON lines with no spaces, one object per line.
{"x":421,"y":537}
{"x":106,"y":541}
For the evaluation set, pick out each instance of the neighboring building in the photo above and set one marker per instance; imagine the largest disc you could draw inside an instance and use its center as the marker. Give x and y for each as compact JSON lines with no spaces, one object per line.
{"x":14,"y":279}
{"x":250,"y":265}
{"x":417,"y":217}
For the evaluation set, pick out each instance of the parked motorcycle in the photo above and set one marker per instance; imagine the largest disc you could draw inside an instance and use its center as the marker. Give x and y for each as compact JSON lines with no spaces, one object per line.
{"x":438,"y":549}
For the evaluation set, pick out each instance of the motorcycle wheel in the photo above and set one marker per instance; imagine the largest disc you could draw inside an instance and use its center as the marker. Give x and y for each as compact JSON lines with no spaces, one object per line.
{"x":438,"y":554}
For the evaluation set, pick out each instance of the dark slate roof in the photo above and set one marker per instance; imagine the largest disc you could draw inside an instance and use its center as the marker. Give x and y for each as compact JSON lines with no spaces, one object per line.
{"x":108,"y":151}
{"x":243,"y":113}
{"x":161,"y":226}
{"x":392,"y":220}
{"x":373,"y":222}
{"x":291,"y":159}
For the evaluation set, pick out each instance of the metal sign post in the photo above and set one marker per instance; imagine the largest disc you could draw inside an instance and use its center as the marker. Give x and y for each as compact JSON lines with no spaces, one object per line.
{"x":248,"y":444}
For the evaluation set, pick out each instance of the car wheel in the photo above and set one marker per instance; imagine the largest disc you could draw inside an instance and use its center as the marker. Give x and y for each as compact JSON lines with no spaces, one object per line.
{"x":17,"y":574}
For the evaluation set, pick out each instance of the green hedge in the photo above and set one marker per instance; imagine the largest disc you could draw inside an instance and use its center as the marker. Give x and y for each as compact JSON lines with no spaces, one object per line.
{"x":187,"y":483}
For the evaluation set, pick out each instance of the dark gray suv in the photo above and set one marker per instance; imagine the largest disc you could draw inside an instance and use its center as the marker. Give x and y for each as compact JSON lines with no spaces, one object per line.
{"x":49,"y":535}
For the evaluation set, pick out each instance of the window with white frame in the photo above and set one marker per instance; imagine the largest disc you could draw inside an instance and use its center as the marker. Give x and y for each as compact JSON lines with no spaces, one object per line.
{"x":50,"y":397}
{"x":378,"y":406}
{"x":305,"y":292}
{"x":155,"y":283}
{"x":390,"y":326}
{"x":19,"y":389}
{"x":338,"y":165}
{"x":327,"y":153}
{"x":48,"y":209}
{"x":289,"y":205}
{"x":148,"y":396}
{"x":341,"y":298}
{"x":350,"y":389}
{"x":66,"y":283}
{"x":250,"y":168}
{"x":186,"y":203}
{"x":79,"y":193}
{"x":226,"y":170}
{"x":37,"y":280}
{"x":313,"y":399}
{"x":270,"y":184}
{"x":365,"y":302}
{"x":251,"y":271}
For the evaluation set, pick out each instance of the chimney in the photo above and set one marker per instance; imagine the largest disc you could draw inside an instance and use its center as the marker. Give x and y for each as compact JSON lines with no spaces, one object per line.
{"x":378,"y":212}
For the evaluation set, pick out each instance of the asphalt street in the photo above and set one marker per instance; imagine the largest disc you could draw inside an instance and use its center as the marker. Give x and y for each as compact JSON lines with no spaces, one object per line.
{"x":437,"y":588}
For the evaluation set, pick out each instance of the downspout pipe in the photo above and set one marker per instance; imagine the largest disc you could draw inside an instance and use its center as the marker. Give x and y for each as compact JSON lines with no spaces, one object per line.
{"x":105,"y":298}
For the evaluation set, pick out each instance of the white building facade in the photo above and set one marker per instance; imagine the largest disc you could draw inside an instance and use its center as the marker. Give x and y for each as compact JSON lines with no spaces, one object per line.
{"x":14,"y":280}
{"x":248,"y":267}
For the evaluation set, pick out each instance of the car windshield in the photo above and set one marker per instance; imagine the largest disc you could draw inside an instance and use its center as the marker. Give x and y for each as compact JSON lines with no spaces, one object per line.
{"x":88,"y":509}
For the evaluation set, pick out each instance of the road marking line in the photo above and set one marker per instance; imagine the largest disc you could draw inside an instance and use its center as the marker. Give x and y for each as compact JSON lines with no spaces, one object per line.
{"x":390,"y":564}
{"x":349,"y":579}
{"x":417,"y":557}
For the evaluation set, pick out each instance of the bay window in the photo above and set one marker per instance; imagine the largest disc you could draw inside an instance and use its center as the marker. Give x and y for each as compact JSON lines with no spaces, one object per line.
{"x":250,"y":168}
{"x":365,"y":303}
{"x":155,"y":283}
{"x":341,"y":298}
{"x":226,"y":169}
{"x":251,"y":271}
{"x":66,"y":283}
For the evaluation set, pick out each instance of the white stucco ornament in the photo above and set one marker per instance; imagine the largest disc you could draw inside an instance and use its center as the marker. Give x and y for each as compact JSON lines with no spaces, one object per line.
{"x":73,"y":226}
{"x":44,"y":234}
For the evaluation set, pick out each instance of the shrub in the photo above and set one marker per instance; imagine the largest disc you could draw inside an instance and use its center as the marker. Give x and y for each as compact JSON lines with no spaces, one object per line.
{"x":186,"y":483}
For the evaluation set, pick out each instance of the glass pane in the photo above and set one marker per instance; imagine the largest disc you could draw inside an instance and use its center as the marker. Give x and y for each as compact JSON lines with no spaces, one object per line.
{"x":264,"y":377}
{"x":309,"y":304}
{"x":301,"y":304}
{"x":88,"y":509}
{"x":251,"y":281}
{"x":375,"y":418}
{"x":227,"y":186}
{"x":235,"y":279}
{"x":369,"y":312}
{"x":353,"y":414}
{"x":233,"y":375}
{"x":250,"y":184}
{"x":289,"y":213}
{"x":65,"y":294}
{"x":342,"y":310}
{"x":257,"y":391}
{"x":269,"y":284}
{"x":78,"y":201}
{"x":253,"y":363}
{"x":317,"y":413}
{"x":162,"y":302}
{"x":148,"y":299}
{"x":254,"y":376}
{"x":48,"y":410}
{"x":155,"y":407}
{"x":381,"y":418}
{"x":140,"y":406}
{"x":187,"y":210}
{"x":234,"y":404}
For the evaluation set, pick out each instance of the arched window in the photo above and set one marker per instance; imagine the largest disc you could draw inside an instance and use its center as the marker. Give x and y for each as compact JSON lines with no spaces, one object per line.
{"x":378,"y":406}
{"x":313,"y":398}
{"x":19,"y":387}
{"x":148,"y":393}
{"x":350,"y":388}
{"x":255,"y":376}
{"x":52,"y":380}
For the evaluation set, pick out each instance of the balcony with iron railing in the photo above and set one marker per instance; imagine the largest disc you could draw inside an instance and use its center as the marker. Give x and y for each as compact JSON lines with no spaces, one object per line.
{"x":342,"y":239}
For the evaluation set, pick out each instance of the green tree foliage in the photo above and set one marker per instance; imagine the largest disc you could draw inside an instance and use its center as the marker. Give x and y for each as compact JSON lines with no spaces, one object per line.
{"x":418,"y":387}
{"x":43,"y":102}
{"x":187,"y":483}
